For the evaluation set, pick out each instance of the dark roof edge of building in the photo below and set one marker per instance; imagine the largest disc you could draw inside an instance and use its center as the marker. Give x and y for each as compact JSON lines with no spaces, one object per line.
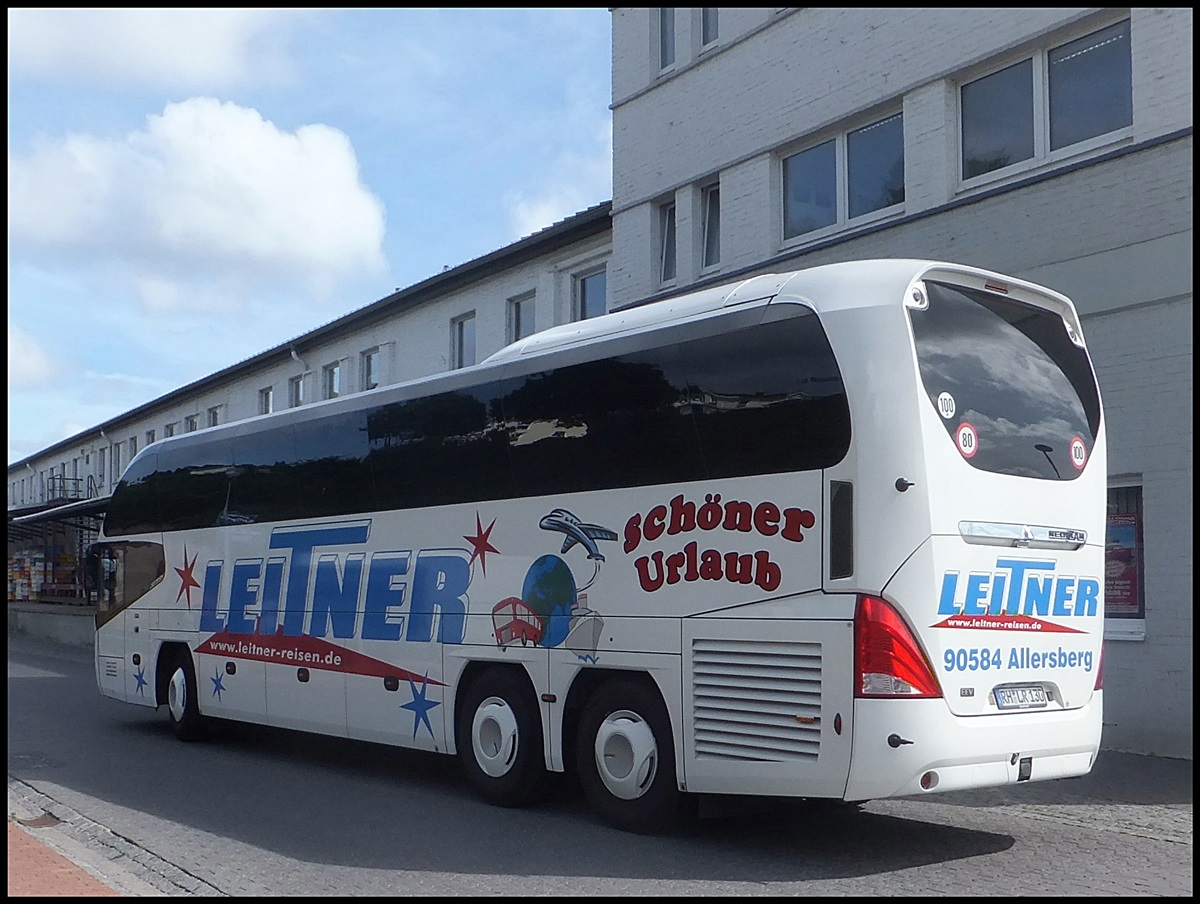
{"x":575,"y":228}
{"x":95,"y":507}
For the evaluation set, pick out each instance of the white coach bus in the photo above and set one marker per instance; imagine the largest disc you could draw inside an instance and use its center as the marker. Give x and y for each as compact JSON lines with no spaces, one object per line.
{"x":836,"y":533}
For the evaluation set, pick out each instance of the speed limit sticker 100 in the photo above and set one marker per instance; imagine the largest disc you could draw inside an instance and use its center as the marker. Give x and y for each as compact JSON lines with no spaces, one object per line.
{"x":1078,"y":453}
{"x":967,"y":439}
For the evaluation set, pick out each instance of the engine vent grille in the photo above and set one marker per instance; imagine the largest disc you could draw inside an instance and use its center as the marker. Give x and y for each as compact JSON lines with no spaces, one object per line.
{"x":756,"y":700}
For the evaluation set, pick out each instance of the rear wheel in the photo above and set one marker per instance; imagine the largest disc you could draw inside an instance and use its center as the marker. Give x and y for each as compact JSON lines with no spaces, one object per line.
{"x":500,"y":739}
{"x":626,"y":756}
{"x":182,"y":702}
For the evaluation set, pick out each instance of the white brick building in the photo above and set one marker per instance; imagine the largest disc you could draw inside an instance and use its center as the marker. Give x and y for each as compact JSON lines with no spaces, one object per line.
{"x":790,"y":115}
{"x":1051,"y":144}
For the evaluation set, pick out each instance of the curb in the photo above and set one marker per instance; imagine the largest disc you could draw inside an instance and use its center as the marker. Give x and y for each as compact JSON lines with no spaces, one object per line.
{"x":117,"y":862}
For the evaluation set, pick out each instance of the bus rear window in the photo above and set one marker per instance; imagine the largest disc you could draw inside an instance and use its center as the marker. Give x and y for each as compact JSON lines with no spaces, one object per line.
{"x":1014,"y":393}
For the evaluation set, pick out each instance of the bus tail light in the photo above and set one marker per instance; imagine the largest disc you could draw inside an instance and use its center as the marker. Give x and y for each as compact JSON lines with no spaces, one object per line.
{"x":1100,"y":671}
{"x":888,"y":661}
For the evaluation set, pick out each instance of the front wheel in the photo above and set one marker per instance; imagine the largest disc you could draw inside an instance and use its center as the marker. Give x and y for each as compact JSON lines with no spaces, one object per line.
{"x":500,"y":739}
{"x":182,"y":702}
{"x":626,"y":757}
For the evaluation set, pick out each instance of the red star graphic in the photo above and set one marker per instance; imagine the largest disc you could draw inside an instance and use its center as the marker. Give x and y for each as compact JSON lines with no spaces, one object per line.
{"x":480,"y":543}
{"x":187,"y":581}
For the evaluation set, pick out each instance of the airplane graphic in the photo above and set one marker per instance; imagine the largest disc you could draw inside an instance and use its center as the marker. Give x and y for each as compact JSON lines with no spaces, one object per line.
{"x":577,"y":532}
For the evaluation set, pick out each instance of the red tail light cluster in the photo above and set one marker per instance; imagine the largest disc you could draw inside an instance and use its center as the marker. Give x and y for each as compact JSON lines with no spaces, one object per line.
{"x":1100,"y":671}
{"x":888,"y":660}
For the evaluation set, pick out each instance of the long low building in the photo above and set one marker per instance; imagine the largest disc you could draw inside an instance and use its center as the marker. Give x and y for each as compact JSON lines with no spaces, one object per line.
{"x":447,"y":321}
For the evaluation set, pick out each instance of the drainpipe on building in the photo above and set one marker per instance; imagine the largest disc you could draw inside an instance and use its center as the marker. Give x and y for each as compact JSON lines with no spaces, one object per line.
{"x":106,"y":451}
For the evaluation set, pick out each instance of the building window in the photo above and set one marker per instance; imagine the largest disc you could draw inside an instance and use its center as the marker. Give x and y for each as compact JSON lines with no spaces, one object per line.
{"x":295,"y":392}
{"x":1091,"y":86}
{"x":875,"y":166}
{"x":590,"y":292}
{"x":331,"y":380}
{"x":462,"y":338}
{"x":1124,"y":574}
{"x":214,"y":416}
{"x":710,"y":199}
{"x":116,"y":461}
{"x":997,"y":120}
{"x":99,"y":467}
{"x":1079,"y":90}
{"x":149,"y":437}
{"x":191,"y":423}
{"x":666,"y":229}
{"x":168,"y":430}
{"x":132,"y":447}
{"x":873,"y":177}
{"x":810,"y":190}
{"x":666,"y":37}
{"x":708,"y":25}
{"x":520,"y":317}
{"x":266,"y":400}
{"x":370,"y":368}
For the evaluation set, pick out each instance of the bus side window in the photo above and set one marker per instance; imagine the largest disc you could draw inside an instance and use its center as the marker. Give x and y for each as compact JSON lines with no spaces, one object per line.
{"x":145,"y":565}
{"x":123,"y":573}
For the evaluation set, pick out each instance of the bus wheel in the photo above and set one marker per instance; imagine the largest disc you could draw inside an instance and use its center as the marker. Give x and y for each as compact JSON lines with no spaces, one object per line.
{"x":626,"y":758}
{"x":500,"y":740}
{"x":182,"y":703}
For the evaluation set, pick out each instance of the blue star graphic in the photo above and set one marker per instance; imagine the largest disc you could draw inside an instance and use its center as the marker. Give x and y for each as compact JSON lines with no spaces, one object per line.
{"x":420,"y":706}
{"x":140,"y":678}
{"x":217,"y":685}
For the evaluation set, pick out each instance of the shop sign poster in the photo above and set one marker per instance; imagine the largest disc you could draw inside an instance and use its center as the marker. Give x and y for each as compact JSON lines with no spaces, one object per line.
{"x":1122,"y":585}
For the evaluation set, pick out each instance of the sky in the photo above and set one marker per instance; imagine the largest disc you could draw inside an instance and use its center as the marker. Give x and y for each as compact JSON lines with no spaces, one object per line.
{"x":190,"y":187}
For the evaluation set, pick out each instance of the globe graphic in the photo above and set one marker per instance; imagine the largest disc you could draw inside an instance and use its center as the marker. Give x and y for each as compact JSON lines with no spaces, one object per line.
{"x":549,"y":590}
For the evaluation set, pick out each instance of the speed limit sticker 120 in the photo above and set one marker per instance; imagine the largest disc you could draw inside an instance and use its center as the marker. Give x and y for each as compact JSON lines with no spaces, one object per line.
{"x":967,"y":438}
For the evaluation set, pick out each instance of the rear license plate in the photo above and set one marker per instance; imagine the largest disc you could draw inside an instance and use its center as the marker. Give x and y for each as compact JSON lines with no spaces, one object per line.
{"x":1021,"y":696}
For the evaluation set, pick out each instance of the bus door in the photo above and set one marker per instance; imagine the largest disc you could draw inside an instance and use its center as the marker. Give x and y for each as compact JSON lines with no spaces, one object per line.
{"x":123,"y":573}
{"x":101,"y":584}
{"x":1014,"y":450}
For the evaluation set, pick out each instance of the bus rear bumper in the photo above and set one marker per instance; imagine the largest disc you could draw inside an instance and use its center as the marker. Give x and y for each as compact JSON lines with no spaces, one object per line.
{"x":917,"y":747}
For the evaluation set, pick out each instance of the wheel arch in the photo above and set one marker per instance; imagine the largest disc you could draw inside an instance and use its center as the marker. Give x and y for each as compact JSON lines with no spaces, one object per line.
{"x":468,"y":676}
{"x":585,"y":684}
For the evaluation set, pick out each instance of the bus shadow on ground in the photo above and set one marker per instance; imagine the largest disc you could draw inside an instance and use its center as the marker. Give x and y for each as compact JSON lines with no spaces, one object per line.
{"x":368,"y":806}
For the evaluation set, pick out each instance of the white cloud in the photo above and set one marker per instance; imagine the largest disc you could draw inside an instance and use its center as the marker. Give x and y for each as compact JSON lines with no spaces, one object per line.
{"x":577,"y":181}
{"x":205,"y":188}
{"x":28,"y":363}
{"x":181,"y":48}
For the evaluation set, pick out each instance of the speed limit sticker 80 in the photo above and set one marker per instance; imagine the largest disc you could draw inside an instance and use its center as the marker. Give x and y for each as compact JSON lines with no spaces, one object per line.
{"x":967,"y":439}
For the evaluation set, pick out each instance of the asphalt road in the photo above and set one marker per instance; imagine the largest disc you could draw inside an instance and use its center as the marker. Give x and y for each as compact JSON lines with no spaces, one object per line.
{"x":258,"y":811}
